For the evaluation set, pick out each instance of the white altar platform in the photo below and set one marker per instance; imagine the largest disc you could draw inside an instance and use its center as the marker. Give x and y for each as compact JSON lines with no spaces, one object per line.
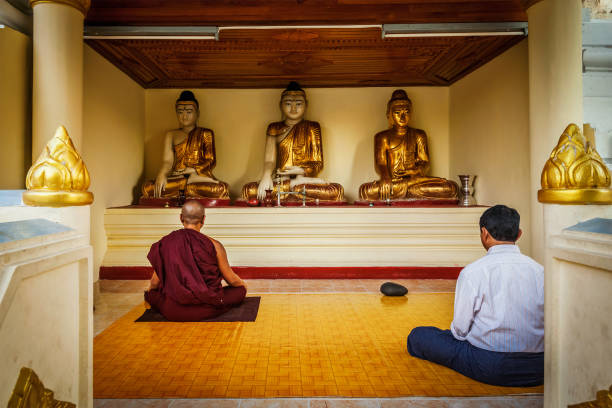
{"x":309,"y":236}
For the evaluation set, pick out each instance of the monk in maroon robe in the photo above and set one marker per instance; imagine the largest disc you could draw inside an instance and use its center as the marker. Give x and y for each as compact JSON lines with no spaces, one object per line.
{"x":188,"y":270}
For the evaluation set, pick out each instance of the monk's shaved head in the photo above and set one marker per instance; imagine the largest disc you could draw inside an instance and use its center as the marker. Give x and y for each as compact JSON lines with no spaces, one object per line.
{"x":192,"y":212}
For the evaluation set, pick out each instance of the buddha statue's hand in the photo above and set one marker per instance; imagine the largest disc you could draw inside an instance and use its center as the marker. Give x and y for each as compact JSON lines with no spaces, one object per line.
{"x":386,"y":188}
{"x":182,"y":172}
{"x":264,"y":184}
{"x":305,"y":180}
{"x":274,"y":132}
{"x":160,"y":183}
{"x":291,"y":171}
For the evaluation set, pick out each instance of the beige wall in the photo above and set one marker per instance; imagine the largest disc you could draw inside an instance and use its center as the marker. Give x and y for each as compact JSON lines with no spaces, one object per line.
{"x":489,"y":128}
{"x":15,"y":110}
{"x":113,"y":129}
{"x":349,"y":118}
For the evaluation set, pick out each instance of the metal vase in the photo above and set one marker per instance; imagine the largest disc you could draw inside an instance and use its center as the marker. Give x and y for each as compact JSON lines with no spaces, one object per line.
{"x":466,"y":197}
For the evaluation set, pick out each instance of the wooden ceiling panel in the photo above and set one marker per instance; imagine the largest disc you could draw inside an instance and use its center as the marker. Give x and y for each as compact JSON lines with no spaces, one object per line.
{"x":327,"y":61}
{"x":262,"y":58}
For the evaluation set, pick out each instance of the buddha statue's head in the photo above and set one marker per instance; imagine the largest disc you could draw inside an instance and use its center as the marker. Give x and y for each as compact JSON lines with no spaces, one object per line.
{"x":293,"y":102}
{"x":399,"y":109}
{"x":187,"y":109}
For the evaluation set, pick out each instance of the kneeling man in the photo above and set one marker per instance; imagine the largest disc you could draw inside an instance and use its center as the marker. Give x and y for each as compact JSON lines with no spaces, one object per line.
{"x":497,"y":333}
{"x":188,"y":269}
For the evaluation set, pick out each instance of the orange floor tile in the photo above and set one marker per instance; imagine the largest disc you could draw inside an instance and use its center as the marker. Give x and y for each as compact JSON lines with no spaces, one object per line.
{"x":301,"y":345}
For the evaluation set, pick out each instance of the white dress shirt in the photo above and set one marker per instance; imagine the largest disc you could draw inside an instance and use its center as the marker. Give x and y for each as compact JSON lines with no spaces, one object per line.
{"x":499,"y":302}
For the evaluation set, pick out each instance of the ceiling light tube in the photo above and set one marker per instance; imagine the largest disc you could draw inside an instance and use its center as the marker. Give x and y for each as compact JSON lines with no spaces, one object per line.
{"x":297,"y":27}
{"x":453,"y":29}
{"x":151,"y":33}
{"x":194,"y":32}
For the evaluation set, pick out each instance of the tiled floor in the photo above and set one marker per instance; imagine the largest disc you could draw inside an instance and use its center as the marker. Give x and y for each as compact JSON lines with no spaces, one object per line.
{"x":303,"y":285}
{"x":117,"y":297}
{"x":303,"y":346}
{"x":523,"y":401}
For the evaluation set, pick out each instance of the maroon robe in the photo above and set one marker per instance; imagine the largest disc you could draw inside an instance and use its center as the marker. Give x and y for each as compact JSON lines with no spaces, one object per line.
{"x":189,"y":278}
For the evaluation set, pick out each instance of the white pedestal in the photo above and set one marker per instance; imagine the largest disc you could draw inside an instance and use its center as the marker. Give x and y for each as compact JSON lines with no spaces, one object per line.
{"x":578,"y":283}
{"x":309,"y":237}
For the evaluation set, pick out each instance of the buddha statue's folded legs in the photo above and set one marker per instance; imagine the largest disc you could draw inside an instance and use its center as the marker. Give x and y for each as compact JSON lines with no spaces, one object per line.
{"x":322,"y":192}
{"x":196,"y":190}
{"x":420,"y":187}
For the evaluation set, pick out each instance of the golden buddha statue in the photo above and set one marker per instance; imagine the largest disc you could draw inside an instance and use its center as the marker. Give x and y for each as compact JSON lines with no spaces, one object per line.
{"x":188,"y":158}
{"x":295,"y":153}
{"x":402,"y":160}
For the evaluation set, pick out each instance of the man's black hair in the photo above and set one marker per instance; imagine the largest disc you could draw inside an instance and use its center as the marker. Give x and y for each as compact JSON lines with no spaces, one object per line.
{"x":502,"y":222}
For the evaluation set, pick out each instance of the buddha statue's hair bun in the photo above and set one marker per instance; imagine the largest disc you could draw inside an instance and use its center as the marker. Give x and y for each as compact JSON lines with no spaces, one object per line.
{"x":188,"y":96}
{"x":399,"y":95}
{"x":293,"y":86}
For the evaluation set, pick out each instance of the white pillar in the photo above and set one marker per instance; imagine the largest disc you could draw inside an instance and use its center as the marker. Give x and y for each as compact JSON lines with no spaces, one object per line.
{"x":555,"y":100}
{"x":57,"y":96}
{"x":57,"y":99}
{"x":555,"y":90}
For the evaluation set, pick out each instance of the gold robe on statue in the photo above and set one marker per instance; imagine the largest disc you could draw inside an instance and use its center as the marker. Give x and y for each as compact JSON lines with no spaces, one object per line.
{"x":196,"y":152}
{"x":301,"y":147}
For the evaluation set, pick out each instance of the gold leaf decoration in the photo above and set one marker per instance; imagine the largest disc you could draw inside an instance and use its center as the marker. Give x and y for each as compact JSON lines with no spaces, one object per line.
{"x":574,"y":172}
{"x":29,"y":392}
{"x":59,"y":176}
{"x":604,"y":400}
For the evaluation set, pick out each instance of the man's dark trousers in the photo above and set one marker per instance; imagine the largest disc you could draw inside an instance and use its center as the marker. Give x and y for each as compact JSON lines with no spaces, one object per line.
{"x":490,"y":367}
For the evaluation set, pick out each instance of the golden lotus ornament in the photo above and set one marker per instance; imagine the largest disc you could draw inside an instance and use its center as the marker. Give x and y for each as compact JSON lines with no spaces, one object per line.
{"x":30,"y":392}
{"x":575,"y":173}
{"x":59,"y":177}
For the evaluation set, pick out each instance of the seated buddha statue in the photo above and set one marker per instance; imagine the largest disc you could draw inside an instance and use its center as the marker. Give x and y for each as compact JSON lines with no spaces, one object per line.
{"x":188,"y":158}
{"x":402,"y":160}
{"x":294,"y":152}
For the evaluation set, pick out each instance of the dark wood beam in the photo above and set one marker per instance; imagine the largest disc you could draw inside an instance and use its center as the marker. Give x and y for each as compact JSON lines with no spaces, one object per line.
{"x":287,"y":12}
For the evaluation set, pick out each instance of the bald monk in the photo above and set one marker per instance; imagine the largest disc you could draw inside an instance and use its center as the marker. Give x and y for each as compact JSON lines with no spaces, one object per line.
{"x":188,"y":270}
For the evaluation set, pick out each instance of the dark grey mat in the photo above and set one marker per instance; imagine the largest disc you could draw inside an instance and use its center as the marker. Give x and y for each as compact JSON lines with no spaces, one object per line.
{"x":246,"y":312}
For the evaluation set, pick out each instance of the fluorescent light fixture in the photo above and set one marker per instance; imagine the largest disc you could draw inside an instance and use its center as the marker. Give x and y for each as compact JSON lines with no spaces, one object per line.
{"x":192,"y":32}
{"x":388,"y":30}
{"x":151,"y":33}
{"x":453,"y":29}
{"x":297,"y":27}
